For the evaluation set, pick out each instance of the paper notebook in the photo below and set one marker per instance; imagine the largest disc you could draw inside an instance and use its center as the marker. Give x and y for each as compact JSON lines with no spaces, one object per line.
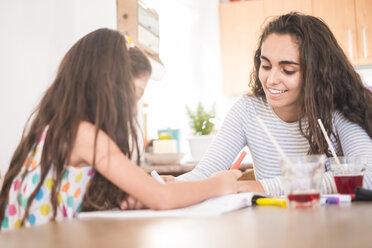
{"x":212,"y":207}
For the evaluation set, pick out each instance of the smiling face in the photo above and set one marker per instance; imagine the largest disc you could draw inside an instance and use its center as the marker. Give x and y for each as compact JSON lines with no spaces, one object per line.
{"x":280,"y":75}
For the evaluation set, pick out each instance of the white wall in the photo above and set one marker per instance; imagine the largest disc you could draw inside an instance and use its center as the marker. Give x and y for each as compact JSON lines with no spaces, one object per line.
{"x":35,"y":35}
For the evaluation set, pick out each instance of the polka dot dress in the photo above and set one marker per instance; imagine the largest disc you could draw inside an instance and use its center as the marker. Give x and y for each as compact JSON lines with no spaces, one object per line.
{"x":73,"y":187}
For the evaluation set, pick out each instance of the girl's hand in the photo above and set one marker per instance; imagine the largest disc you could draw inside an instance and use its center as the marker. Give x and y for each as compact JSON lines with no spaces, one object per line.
{"x":250,"y":186}
{"x":228,"y":181}
{"x":168,"y":178}
{"x":131,"y":204}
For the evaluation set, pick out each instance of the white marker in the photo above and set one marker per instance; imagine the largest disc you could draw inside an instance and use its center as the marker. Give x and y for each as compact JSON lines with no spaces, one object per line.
{"x":155,"y":175}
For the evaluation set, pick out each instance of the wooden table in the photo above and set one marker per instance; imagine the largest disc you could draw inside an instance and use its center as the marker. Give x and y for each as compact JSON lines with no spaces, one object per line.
{"x":327,"y":226}
{"x":179,"y":169}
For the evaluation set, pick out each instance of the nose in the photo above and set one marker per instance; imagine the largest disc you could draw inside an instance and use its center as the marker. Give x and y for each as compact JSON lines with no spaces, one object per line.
{"x":273,"y":76}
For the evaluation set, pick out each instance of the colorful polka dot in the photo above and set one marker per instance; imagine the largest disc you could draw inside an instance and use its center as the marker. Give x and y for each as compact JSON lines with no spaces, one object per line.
{"x":16,"y":185}
{"x":26,"y":162}
{"x":33,"y":164}
{"x":64,"y":211}
{"x":77,"y":193}
{"x":12,"y":210}
{"x":25,"y":201}
{"x":17,"y":224}
{"x":65,"y":175}
{"x":66,"y":187}
{"x":59,"y":198}
{"x":5,"y":223}
{"x":31,"y":219}
{"x":90,"y":173}
{"x":78,"y":210}
{"x":49,"y":183}
{"x":70,"y":200}
{"x":35,"y":178}
{"x":45,"y":209}
{"x":39,"y":195}
{"x":78,"y":177}
{"x":24,"y":188}
{"x":20,"y":199}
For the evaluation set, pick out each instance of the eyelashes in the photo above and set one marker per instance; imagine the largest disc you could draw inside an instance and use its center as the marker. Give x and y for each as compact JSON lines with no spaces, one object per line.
{"x":267,"y":68}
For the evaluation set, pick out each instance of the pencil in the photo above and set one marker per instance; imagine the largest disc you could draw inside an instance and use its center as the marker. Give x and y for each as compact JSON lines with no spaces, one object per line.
{"x":236,"y":165}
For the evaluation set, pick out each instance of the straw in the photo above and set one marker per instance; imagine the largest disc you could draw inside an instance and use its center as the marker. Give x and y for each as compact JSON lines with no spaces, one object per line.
{"x":262,"y":124}
{"x":289,"y":167}
{"x":328,"y":141}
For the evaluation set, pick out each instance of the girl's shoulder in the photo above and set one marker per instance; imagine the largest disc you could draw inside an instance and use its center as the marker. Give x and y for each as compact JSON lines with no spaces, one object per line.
{"x":88,"y":142}
{"x":249,"y":101}
{"x":338,"y":119}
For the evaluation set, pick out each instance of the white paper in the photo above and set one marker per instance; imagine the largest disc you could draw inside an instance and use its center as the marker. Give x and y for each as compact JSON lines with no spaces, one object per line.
{"x":212,"y":207}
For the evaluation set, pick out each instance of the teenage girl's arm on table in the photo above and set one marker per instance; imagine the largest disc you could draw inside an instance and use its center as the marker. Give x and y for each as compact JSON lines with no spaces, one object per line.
{"x":118,"y":169}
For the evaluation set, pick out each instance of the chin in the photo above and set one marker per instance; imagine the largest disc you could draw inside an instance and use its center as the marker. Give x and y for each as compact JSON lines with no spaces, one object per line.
{"x":275,"y":103}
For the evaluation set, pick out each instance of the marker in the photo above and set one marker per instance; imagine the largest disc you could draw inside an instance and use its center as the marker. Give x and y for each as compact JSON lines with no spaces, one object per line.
{"x":156,"y":176}
{"x":236,"y":165}
{"x":335,"y":199}
{"x":271,"y":201}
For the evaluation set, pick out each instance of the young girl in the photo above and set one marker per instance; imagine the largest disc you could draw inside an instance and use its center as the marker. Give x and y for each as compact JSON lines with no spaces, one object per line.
{"x":300,"y":74}
{"x":85,"y":126}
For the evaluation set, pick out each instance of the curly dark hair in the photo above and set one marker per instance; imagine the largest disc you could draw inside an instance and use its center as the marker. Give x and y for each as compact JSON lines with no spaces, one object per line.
{"x":329,"y":81}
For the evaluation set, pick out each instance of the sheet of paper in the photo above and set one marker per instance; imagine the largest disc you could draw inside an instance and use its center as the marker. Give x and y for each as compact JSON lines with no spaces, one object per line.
{"x":212,"y":207}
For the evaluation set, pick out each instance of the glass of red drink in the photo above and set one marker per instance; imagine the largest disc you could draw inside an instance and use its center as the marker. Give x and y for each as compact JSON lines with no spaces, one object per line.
{"x":348,"y":173}
{"x":302,"y":179}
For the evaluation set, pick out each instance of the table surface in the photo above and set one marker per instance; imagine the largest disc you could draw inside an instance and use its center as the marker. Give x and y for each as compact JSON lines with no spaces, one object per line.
{"x":178,"y":169}
{"x":327,"y":226}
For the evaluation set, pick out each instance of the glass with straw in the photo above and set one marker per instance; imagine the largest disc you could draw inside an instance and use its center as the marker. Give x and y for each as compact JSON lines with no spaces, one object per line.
{"x":348,"y":172}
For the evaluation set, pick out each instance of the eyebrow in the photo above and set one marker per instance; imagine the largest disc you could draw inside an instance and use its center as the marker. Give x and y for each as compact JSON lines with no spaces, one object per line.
{"x":284,"y":62}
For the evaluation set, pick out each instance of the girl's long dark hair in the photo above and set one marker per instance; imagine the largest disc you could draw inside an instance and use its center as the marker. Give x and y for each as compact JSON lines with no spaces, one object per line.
{"x":94,"y":84}
{"x":329,"y":81}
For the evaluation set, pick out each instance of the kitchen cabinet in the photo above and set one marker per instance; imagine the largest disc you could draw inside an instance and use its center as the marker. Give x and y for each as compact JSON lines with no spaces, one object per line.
{"x":340,"y":17}
{"x":364,"y":31}
{"x":351,"y":23}
{"x":239,"y":31}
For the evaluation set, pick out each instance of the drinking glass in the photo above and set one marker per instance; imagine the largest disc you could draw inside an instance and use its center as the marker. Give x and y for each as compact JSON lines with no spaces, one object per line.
{"x":302,"y":179}
{"x":348,"y":173}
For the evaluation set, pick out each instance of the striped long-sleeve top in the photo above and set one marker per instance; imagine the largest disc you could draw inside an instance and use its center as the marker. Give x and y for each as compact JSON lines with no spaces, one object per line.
{"x":240,"y":128}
